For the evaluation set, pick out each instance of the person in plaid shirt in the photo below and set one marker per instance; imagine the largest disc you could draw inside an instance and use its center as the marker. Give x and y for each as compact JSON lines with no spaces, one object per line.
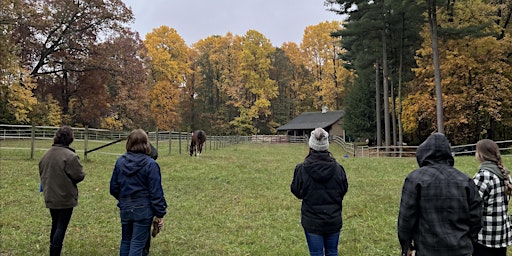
{"x":493,"y":182}
{"x":440,"y":209}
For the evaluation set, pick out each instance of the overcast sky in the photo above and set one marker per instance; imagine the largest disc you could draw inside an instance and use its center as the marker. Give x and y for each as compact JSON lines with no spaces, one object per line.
{"x":278,"y":20}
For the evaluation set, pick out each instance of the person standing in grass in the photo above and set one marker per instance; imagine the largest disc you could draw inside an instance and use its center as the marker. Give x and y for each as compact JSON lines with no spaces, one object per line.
{"x":494,"y":185}
{"x":137,"y":185}
{"x":153,"y":153}
{"x":320,"y":181}
{"x":60,"y":171}
{"x":440,"y":209}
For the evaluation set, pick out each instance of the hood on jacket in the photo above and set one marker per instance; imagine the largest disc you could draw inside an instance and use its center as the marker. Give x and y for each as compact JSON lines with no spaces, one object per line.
{"x":434,"y":150}
{"x":133,"y":162}
{"x":320,"y":166}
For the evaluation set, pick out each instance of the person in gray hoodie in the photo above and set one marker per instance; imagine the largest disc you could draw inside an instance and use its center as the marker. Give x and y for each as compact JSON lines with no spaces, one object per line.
{"x":60,"y":171}
{"x":440,"y":209}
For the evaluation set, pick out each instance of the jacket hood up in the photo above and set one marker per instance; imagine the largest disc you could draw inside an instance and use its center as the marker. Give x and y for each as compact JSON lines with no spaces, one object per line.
{"x":133,"y":162}
{"x":434,"y":150}
{"x":320,"y":166}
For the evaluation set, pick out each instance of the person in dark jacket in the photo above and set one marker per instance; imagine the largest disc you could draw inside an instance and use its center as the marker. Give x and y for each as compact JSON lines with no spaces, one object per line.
{"x":153,"y":153}
{"x":440,"y":209}
{"x":320,"y":181}
{"x":137,"y":185}
{"x":60,"y":171}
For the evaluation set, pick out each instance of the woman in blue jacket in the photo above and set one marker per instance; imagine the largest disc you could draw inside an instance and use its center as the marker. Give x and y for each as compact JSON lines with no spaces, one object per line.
{"x":137,"y":185}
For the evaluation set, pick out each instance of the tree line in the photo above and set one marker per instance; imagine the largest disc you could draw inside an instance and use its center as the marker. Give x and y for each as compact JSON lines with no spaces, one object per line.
{"x":426,"y":66}
{"x":79,"y":63}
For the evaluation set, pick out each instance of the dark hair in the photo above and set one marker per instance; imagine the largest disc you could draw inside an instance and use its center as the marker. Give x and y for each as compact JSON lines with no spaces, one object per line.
{"x":138,"y":142}
{"x":63,"y":136}
{"x":488,"y":150}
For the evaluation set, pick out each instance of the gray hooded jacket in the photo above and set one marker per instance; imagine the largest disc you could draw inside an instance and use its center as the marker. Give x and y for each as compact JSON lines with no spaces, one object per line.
{"x":440,"y":209}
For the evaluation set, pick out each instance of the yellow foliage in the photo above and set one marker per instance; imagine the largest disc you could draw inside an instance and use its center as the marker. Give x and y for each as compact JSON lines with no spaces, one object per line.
{"x":20,"y":99}
{"x":320,"y":54}
{"x":164,"y":103}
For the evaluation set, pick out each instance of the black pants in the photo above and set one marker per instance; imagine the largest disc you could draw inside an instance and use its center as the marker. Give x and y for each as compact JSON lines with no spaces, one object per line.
{"x":60,"y":221}
{"x":480,"y":250}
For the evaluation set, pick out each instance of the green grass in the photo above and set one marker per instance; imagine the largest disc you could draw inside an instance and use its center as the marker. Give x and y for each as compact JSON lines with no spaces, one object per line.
{"x":231,"y":201}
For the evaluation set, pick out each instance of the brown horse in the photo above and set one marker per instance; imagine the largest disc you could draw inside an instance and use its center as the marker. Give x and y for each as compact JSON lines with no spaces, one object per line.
{"x":197,"y":141}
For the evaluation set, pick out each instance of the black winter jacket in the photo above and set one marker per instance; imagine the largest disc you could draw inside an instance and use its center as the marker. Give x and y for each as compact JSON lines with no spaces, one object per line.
{"x":321,"y":183}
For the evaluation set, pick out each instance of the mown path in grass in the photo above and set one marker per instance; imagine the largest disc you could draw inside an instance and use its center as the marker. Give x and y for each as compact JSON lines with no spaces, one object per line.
{"x":231,"y":201}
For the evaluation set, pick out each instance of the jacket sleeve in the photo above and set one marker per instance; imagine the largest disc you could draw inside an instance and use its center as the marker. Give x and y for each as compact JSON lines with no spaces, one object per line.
{"x":74,"y":169}
{"x":408,"y":213}
{"x":475,"y":204}
{"x":114,"y":185}
{"x":156,"y":192}
{"x":344,"y":182}
{"x":297,"y":183}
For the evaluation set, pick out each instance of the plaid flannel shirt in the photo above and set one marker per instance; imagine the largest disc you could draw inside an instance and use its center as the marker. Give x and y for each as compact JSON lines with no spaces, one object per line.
{"x":496,"y":230}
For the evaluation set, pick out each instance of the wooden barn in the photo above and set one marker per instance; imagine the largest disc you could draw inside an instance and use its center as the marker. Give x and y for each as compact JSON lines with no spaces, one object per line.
{"x":331,"y":121}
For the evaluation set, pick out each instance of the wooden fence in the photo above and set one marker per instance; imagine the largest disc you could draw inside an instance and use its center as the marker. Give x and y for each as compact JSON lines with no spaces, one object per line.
{"x":171,"y":142}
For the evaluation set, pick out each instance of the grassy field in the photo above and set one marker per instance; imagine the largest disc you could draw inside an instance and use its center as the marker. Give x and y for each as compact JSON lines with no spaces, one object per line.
{"x":231,"y":201}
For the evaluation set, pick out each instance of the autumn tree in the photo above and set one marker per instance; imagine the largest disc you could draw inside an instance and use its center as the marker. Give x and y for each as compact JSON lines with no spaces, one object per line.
{"x":217,"y":68}
{"x":321,"y":52}
{"x":478,"y":76}
{"x":283,"y":106}
{"x":16,"y":97}
{"x":301,"y":80}
{"x":255,"y":89}
{"x":169,"y":69}
{"x":58,"y":38}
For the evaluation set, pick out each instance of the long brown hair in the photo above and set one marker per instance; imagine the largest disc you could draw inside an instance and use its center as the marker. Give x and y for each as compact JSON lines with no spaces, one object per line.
{"x":488,"y":150}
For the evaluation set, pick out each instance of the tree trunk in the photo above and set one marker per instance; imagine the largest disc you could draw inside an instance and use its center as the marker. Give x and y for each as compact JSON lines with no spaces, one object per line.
{"x":387,"y":126}
{"x":432,"y":20}
{"x":377,"y":104}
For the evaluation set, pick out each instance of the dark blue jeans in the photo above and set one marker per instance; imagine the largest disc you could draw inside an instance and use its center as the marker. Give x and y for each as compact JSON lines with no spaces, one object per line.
{"x":320,"y":244}
{"x":136,"y":227}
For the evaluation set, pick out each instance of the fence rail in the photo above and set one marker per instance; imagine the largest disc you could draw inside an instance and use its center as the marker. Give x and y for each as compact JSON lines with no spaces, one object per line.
{"x":178,"y":142}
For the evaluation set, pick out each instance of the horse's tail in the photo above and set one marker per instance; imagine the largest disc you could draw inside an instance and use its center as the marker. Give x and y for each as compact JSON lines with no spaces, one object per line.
{"x":200,"y":135}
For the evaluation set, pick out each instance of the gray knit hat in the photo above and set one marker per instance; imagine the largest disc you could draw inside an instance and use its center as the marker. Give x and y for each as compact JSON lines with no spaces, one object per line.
{"x":319,"y":140}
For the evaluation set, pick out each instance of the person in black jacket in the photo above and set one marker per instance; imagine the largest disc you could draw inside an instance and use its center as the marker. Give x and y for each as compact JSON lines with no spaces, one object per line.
{"x":153,"y":154}
{"x":320,"y":181}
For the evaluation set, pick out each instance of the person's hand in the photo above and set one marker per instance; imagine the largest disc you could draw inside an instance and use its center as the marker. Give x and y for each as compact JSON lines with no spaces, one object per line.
{"x":158,"y":224}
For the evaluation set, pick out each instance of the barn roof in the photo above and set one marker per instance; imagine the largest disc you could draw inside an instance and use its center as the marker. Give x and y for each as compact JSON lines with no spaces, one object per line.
{"x":312,"y":120}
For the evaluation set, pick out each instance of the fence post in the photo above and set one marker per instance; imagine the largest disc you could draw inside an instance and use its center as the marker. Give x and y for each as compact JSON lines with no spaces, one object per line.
{"x":170,"y":142}
{"x":156,"y":143}
{"x":179,"y":143}
{"x":32,"y":141}
{"x":86,"y":139}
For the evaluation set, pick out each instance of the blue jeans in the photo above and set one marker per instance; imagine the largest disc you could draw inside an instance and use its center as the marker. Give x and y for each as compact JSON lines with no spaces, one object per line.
{"x":136,"y":227}
{"x":318,"y":243}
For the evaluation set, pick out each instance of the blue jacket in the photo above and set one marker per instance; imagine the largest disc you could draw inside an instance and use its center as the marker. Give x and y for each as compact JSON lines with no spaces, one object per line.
{"x":136,"y":181}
